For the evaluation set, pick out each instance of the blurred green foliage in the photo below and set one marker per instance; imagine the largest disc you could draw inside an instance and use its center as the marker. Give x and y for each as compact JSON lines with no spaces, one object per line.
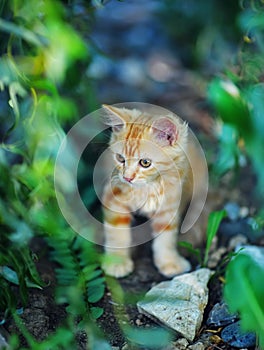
{"x":43,"y":58}
{"x":45,"y":51}
{"x":244,"y":290}
{"x":203,"y":34}
{"x":214,"y":37}
{"x":238,"y":98}
{"x":214,"y":220}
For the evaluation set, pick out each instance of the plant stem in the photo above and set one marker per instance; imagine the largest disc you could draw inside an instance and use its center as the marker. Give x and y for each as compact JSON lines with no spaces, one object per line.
{"x":23,"y":33}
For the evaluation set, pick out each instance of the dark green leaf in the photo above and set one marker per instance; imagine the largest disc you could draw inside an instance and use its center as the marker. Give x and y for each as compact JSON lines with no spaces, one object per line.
{"x":228,"y":101}
{"x":96,"y":282}
{"x":96,"y":312}
{"x":191,"y":249}
{"x":244,"y":290}
{"x":95,"y":293}
{"x":214,"y":221}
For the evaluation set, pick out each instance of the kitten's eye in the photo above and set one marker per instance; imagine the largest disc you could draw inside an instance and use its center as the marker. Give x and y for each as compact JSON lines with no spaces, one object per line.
{"x":120,"y":158}
{"x":145,"y":163}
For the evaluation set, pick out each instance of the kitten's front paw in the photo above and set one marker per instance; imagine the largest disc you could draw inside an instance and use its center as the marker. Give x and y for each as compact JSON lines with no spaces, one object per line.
{"x":121,"y":268}
{"x":173,"y":267}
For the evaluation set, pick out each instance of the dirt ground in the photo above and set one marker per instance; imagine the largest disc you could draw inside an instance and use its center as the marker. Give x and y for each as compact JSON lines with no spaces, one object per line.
{"x":42,"y":316}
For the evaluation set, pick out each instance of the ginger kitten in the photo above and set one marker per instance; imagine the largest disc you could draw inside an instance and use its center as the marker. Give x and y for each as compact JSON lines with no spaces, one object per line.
{"x":153,"y":177}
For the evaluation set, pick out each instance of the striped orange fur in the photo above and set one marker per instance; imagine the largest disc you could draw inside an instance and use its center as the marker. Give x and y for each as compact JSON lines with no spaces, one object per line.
{"x":119,"y":220}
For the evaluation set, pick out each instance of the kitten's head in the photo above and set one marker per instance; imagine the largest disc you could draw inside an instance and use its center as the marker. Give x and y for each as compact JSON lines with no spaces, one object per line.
{"x":145,"y":146}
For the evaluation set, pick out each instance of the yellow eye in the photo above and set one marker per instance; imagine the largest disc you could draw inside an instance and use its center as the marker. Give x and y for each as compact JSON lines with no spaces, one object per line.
{"x":120,"y":158}
{"x":145,"y":163}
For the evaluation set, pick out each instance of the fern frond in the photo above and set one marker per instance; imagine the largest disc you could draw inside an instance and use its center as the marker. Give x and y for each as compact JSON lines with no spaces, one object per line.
{"x":91,"y":272}
{"x":68,"y":270}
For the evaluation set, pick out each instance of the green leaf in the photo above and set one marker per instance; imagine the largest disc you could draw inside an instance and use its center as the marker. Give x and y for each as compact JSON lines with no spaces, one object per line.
{"x":191,"y":249}
{"x":230,"y":104}
{"x":154,"y":338}
{"x":24,"y":33}
{"x":22,"y":234}
{"x":255,"y":141}
{"x":244,"y":290}
{"x":96,"y":282}
{"x":16,"y":90}
{"x":46,"y":85}
{"x":92,"y":274}
{"x":228,"y":155}
{"x":214,"y":221}
{"x":95,"y":293}
{"x":61,"y":339}
{"x":65,"y":47}
{"x":96,"y":312}
{"x":8,"y":72}
{"x":11,"y":276}
{"x":33,"y":279}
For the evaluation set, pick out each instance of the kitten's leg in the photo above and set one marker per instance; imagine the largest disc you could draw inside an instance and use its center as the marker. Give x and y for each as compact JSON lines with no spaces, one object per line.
{"x":117,"y":260}
{"x":166,"y":257}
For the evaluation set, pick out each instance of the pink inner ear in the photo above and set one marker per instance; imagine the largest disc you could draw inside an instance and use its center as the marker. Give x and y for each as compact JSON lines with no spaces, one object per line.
{"x":165,"y":131}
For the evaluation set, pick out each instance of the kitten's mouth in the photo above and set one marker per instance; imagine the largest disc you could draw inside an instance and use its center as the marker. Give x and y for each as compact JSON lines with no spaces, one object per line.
{"x":128,"y":179}
{"x":125,"y":180}
{"x":131,"y":181}
{"x":134,"y":183}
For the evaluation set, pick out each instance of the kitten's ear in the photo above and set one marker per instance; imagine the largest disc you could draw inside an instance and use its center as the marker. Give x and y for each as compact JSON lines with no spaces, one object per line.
{"x":114,"y":118}
{"x":165,"y":131}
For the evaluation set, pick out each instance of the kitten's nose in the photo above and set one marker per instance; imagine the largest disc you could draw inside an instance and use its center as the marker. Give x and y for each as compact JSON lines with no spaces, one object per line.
{"x":128,"y":179}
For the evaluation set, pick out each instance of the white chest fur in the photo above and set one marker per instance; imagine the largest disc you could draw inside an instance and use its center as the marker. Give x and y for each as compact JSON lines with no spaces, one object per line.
{"x":147,"y":200}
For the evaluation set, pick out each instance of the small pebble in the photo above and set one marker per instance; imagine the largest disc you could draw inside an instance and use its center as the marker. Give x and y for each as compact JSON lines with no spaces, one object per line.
{"x":233,"y":335}
{"x":138,"y":322}
{"x":232,"y":210}
{"x":215,"y":257}
{"x":230,"y":229}
{"x":180,"y":344}
{"x":236,"y":241}
{"x":197,"y":346}
{"x":244,"y":212}
{"x":220,"y":316}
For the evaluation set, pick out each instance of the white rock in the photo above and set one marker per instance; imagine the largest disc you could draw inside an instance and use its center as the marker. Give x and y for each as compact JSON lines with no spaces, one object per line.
{"x":179,"y":303}
{"x":197,"y":346}
{"x":180,"y":344}
{"x":244,"y":212}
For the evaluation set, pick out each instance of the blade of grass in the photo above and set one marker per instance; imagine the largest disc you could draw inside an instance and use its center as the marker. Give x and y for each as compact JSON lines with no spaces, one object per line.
{"x":214,"y":221}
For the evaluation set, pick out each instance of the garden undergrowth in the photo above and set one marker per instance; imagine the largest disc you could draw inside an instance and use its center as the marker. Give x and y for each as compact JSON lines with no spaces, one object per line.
{"x":39,"y":101}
